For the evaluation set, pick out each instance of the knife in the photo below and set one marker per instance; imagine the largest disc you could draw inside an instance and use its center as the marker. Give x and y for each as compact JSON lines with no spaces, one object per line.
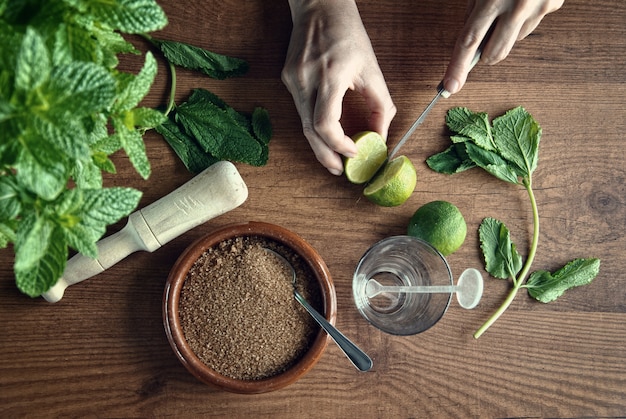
{"x":441,"y":92}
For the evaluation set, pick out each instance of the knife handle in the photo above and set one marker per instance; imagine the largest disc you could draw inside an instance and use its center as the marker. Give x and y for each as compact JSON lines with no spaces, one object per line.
{"x":442,"y":91}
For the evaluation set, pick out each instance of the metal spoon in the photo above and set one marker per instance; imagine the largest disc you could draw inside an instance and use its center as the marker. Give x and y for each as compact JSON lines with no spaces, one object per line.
{"x":468,"y":290}
{"x":353,"y":352}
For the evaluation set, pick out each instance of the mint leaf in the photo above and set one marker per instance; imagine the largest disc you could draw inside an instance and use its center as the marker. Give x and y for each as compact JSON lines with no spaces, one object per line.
{"x":146,"y":118}
{"x":41,"y":168}
{"x":136,"y":87}
{"x":83,"y":240}
{"x":135,"y":148}
{"x":10,"y":205}
{"x":218,"y":132}
{"x":73,"y":42}
{"x":261,"y":125}
{"x":203,"y":95}
{"x":491,"y":162}
{"x":453,"y":160}
{"x":102,"y":207}
{"x":11,"y":41}
{"x":191,"y":57}
{"x":41,"y":274}
{"x":501,"y":257}
{"x":33,"y":236}
{"x":130,"y":16}
{"x":517,"y":137}
{"x":86,"y":213}
{"x":472,"y":125}
{"x":78,"y":89}
{"x":110,"y":44}
{"x":33,"y":62}
{"x":187,"y":149}
{"x":7,"y":233}
{"x":65,"y":134}
{"x":545,"y":286}
{"x":88,"y":175}
{"x":108,"y":145}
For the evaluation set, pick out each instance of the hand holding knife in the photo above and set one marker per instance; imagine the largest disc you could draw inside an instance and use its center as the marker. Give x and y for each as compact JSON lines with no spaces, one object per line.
{"x":441,"y":92}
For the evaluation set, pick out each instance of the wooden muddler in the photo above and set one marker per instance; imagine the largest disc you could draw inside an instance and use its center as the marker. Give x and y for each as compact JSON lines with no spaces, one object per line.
{"x":216,"y":190}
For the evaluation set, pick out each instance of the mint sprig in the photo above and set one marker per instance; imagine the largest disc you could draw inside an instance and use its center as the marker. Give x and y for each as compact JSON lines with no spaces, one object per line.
{"x":507,"y":148}
{"x":205,"y":129}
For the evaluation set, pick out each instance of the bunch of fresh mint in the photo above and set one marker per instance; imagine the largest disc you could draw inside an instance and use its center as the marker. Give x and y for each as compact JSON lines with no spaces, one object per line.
{"x":66,"y":107}
{"x":508,"y":149}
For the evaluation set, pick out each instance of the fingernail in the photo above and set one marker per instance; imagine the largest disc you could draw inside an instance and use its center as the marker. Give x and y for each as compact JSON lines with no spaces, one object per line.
{"x":334,"y":171}
{"x":452,"y":85}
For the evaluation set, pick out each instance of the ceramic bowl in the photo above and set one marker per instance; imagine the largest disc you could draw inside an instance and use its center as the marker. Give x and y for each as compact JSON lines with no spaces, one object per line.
{"x":171,"y":314}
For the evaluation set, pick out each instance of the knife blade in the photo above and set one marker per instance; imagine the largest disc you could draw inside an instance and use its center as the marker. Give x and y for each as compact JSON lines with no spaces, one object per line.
{"x":441,"y":92}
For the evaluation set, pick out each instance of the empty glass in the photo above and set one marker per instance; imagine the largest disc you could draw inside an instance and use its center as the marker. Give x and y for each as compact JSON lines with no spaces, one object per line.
{"x":402,"y":261}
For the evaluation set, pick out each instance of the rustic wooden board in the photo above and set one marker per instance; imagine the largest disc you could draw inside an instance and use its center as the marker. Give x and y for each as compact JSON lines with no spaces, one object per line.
{"x":102,"y":351}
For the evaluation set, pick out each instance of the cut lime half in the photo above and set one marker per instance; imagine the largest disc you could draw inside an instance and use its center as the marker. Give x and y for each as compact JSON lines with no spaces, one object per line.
{"x":371,"y":155}
{"x":394,"y":184}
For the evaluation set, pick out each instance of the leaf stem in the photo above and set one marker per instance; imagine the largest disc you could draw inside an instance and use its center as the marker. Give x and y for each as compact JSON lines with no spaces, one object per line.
{"x":170,"y":104}
{"x":535,"y":240}
{"x":520,"y":279}
{"x":495,"y":316}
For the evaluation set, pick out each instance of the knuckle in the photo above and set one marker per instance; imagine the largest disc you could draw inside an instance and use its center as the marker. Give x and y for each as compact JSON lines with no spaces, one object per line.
{"x":392,"y":110}
{"x":308,"y":131}
{"x":470,"y":40}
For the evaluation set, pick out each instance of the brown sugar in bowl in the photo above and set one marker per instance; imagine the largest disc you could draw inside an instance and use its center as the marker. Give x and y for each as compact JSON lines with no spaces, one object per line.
{"x":172,"y":315}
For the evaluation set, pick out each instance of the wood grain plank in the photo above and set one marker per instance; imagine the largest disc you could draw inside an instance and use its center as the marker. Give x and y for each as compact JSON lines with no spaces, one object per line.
{"x":102,"y":351}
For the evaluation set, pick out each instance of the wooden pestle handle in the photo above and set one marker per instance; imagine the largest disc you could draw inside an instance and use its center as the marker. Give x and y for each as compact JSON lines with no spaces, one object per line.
{"x":218,"y":189}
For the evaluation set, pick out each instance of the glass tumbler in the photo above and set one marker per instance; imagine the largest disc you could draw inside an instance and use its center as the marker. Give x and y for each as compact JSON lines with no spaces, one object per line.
{"x":402,"y":261}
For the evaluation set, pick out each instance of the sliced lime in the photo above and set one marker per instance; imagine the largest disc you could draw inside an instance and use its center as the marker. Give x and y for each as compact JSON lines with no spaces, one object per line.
{"x":372,"y":153}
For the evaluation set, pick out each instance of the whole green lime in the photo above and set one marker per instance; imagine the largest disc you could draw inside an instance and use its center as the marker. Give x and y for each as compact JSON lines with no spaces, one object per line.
{"x":441,"y":224}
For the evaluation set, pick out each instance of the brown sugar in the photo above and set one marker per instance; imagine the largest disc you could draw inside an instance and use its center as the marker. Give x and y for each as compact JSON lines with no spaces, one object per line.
{"x":238,"y":312}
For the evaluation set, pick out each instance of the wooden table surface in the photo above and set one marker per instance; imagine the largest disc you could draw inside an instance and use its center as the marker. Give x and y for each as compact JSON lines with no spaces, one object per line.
{"x":102,"y":351}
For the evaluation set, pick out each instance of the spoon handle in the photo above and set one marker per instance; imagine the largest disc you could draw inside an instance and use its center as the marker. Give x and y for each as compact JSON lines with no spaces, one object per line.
{"x":418,"y":289}
{"x":353,"y":352}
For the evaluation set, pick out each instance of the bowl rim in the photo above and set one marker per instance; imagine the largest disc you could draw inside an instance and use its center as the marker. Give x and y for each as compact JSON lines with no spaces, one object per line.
{"x":171,"y":298}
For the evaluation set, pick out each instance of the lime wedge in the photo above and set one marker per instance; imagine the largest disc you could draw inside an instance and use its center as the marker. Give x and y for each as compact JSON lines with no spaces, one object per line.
{"x":371,"y":154}
{"x":394,"y":184}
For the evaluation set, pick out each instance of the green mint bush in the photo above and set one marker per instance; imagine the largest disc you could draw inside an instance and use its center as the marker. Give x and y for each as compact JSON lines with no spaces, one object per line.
{"x":507,"y":148}
{"x":66,"y":107}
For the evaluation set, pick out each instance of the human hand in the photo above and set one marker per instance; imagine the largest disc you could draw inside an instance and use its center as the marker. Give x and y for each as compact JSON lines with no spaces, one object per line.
{"x":329,"y":53}
{"x":514,"y":20}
